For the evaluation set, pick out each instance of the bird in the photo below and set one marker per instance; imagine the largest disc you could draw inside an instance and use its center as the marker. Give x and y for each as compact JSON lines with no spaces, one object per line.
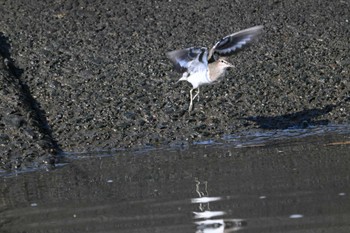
{"x":200,"y":66}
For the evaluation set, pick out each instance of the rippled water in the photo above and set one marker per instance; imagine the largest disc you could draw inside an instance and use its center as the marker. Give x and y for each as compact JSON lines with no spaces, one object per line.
{"x":295,"y":180}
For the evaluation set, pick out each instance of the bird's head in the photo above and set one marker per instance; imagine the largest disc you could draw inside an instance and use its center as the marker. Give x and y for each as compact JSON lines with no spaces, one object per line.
{"x":222,"y":63}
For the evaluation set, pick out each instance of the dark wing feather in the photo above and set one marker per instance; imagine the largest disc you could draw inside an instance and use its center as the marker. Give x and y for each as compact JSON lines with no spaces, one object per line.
{"x":189,"y":59}
{"x":235,"y":42}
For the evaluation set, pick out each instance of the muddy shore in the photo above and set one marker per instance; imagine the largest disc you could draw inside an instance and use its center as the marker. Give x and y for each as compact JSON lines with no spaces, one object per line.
{"x":86,"y":76}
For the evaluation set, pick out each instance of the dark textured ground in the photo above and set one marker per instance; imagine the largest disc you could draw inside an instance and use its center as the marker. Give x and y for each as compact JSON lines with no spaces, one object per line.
{"x":82,"y":75}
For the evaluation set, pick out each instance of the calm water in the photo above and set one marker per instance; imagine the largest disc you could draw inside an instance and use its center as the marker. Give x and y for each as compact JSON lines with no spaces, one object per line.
{"x":281,"y":181}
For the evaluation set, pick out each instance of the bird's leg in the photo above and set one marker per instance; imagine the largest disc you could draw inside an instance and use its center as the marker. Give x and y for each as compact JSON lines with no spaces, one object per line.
{"x":191,"y":101}
{"x":197,"y":94}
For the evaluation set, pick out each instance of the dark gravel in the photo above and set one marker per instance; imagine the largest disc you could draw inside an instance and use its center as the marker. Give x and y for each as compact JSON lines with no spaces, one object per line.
{"x":85,"y":75}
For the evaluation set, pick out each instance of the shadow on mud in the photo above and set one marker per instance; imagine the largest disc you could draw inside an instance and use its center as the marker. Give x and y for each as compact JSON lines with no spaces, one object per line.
{"x":301,"y":119}
{"x":28,"y":106}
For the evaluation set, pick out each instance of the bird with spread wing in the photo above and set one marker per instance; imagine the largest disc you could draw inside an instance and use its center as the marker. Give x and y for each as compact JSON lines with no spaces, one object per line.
{"x":199,"y":67}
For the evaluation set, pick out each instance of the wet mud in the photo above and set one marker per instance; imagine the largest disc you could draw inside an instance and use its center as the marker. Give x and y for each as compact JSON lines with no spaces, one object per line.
{"x":85,"y":76}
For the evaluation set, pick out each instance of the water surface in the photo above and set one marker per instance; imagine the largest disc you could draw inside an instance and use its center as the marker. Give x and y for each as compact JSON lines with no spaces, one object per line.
{"x":258,"y":184}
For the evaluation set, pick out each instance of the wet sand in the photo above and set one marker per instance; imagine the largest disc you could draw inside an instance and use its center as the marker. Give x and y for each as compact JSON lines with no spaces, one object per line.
{"x":83,"y":76}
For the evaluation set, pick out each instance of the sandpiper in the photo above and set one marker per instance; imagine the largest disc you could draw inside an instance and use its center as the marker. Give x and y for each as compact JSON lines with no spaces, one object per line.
{"x":199,"y":68}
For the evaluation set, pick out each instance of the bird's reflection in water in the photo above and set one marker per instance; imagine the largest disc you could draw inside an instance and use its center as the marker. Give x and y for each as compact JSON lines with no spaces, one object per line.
{"x":209,"y":221}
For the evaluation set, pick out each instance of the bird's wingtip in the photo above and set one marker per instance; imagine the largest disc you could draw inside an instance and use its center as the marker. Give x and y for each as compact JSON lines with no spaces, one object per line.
{"x":257,"y":28}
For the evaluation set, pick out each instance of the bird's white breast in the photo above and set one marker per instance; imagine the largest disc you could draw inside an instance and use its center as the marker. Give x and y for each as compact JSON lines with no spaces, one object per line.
{"x":199,"y":78}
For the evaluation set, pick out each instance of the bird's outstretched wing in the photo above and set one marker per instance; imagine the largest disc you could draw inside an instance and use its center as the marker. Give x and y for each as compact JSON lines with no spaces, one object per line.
{"x":233,"y":43}
{"x":189,"y":60}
